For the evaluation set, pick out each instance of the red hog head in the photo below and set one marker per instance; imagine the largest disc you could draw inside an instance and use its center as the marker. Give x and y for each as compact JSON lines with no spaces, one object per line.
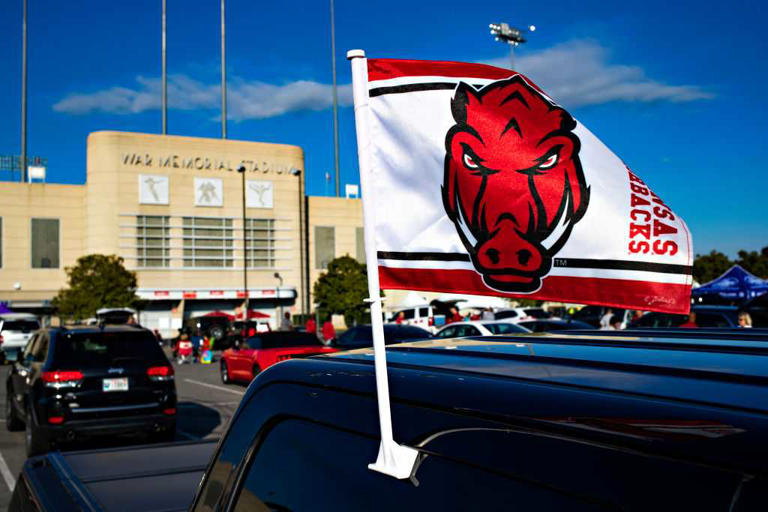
{"x":513,"y":182}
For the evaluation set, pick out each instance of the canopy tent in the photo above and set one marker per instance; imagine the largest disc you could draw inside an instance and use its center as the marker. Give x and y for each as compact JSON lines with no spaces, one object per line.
{"x":412,"y":300}
{"x":736,"y":284}
{"x":4,"y":309}
{"x":252,"y":314}
{"x":221,"y":314}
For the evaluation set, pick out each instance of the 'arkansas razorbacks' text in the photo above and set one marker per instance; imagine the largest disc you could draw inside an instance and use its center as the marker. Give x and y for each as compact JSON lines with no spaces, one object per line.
{"x":649,"y":217}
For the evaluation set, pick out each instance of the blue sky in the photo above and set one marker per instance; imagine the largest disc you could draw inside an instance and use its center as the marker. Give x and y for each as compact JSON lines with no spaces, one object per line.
{"x":674,"y":88}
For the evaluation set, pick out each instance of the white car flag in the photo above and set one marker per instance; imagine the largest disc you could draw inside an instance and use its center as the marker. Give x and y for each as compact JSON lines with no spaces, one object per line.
{"x":480,"y":183}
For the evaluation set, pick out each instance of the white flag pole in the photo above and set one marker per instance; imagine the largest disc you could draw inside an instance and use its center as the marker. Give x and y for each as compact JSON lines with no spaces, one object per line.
{"x":394,"y":459}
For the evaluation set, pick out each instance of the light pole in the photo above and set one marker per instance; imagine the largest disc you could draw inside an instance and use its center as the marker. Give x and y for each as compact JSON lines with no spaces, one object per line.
{"x":510,"y":35}
{"x":223,"y":78}
{"x":335,"y":101}
{"x":24,"y":92}
{"x":164,"y":87}
{"x":297,"y":173}
{"x":241,"y":170}
{"x":277,"y":297}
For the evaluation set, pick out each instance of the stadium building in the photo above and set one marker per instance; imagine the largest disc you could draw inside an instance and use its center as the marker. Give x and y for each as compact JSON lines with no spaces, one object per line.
{"x":172,"y":207}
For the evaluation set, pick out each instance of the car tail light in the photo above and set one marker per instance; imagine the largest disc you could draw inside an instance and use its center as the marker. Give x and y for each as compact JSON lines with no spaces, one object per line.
{"x":170,"y":411}
{"x":160,"y":373}
{"x":62,"y":379}
{"x":1,"y":339}
{"x":55,"y":420}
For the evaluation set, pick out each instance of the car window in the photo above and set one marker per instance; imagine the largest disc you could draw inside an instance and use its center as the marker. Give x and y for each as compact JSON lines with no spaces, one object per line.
{"x":423,"y":312}
{"x":409,"y":332}
{"x":288,"y":339}
{"x":96,"y":349}
{"x":501,"y":315}
{"x":711,"y":320}
{"x":535,"y":326}
{"x":504,"y":328}
{"x":322,"y":457}
{"x":448,"y":332}
{"x":536,"y":313}
{"x":467,"y":330}
{"x":408,"y":314}
{"x":21,"y":325}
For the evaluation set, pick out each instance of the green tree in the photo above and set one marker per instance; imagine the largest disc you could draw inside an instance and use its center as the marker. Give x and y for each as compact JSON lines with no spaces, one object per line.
{"x":342,"y":290}
{"x":755,"y":262}
{"x":707,"y":267}
{"x":96,"y":281}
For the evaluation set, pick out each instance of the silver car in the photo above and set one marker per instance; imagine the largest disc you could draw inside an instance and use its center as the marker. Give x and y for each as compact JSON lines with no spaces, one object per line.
{"x":16,"y":329}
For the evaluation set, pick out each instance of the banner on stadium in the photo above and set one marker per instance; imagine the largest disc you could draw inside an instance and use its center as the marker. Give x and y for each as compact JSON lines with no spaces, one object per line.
{"x":481,"y":183}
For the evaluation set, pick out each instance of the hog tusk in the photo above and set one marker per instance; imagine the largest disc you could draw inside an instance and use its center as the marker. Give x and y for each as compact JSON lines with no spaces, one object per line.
{"x":560,"y":228}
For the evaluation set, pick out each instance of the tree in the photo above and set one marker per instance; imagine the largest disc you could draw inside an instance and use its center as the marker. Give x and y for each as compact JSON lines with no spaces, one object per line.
{"x":707,"y":267}
{"x":755,"y":262}
{"x":342,"y":289}
{"x":96,"y":281}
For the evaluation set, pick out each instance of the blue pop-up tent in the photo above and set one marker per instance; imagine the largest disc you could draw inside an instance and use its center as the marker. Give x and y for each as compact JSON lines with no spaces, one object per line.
{"x":736,"y":284}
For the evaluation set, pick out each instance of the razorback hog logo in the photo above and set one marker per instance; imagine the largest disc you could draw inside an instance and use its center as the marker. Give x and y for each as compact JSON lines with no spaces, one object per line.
{"x":513,"y":184}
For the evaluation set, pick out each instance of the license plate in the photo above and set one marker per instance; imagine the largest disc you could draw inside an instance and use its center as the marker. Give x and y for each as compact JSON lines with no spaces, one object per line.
{"x":120,"y":384}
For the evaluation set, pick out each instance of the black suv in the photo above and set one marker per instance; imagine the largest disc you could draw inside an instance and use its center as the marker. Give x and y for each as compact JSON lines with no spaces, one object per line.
{"x":78,"y":382}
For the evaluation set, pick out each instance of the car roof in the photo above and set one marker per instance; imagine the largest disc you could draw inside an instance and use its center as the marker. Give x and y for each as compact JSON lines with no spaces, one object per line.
{"x":720,"y":385}
{"x":92,"y":329}
{"x":17,"y":316}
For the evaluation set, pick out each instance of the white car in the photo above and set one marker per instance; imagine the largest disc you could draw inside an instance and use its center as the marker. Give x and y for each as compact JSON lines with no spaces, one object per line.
{"x":420,"y":316}
{"x":16,"y":329}
{"x":520,"y":314}
{"x":479,"y":328}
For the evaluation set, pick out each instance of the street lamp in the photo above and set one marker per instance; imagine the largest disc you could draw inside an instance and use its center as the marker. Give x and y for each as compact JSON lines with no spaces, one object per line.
{"x":277,"y":297}
{"x":302,"y":246}
{"x":241,"y":170}
{"x":510,"y":35}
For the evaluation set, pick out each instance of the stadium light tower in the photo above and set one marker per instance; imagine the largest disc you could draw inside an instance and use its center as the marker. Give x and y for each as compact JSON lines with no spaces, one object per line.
{"x":511,"y":36}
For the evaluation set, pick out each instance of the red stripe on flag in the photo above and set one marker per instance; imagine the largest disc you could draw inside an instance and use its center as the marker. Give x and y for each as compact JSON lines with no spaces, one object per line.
{"x":621,"y":293}
{"x":383,"y":69}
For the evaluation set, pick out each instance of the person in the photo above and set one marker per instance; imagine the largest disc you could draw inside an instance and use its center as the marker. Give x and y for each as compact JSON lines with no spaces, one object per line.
{"x":691,"y":322}
{"x":615,"y":324}
{"x":400,"y":318}
{"x":455,"y":316}
{"x":286,"y":324}
{"x":197,"y":342}
{"x":329,"y":333}
{"x":605,"y":321}
{"x":488,"y":314}
{"x":311,"y":325}
{"x":745,"y":320}
{"x":158,"y":336}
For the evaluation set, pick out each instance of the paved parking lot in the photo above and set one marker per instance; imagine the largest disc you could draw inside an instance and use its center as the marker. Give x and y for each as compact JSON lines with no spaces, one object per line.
{"x":205,"y":406}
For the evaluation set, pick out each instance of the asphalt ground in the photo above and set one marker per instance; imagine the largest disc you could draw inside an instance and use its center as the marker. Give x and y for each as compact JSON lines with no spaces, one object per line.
{"x":205,"y":406}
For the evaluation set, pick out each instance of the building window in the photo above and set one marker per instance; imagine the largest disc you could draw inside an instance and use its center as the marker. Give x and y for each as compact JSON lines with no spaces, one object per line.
{"x":45,"y":243}
{"x":207,"y":242}
{"x":325,"y":246}
{"x":261,"y":242}
{"x":360,"y":244}
{"x":153,"y":241}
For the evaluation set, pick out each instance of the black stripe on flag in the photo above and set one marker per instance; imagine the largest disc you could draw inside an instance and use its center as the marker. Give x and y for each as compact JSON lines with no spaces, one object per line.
{"x":423,"y":256}
{"x":399,"y":89}
{"x":639,"y":266}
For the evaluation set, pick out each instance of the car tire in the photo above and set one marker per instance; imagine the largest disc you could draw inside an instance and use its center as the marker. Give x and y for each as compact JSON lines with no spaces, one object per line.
{"x":34,"y":443}
{"x":216,"y":332}
{"x":12,"y":421}
{"x":225,"y":378}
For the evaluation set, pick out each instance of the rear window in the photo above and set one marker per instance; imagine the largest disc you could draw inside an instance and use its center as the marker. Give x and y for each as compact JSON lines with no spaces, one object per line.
{"x":504,"y":328}
{"x":283,"y":339}
{"x":501,"y":315}
{"x":21,"y":325}
{"x":537,"y":313}
{"x":96,"y":349}
{"x":405,"y":332}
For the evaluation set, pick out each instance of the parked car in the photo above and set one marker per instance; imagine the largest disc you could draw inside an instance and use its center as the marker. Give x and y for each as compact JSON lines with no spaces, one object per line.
{"x":361,"y":336}
{"x":539,"y":424}
{"x":706,"y":316}
{"x":246,"y":360}
{"x":235,"y":332}
{"x":15,"y":331}
{"x":214,"y":328}
{"x":425,"y":317}
{"x":479,"y":328}
{"x":553,"y":324}
{"x":520,"y":314}
{"x":592,"y":315}
{"x":79,"y":382}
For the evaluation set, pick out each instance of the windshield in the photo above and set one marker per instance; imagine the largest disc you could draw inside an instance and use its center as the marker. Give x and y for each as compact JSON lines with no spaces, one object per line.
{"x":21,"y":325}
{"x":537,"y":313}
{"x":504,"y":328}
{"x":97,"y":349}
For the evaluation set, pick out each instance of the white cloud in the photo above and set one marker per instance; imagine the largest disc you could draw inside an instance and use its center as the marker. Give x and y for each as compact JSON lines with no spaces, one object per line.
{"x":575,"y":73}
{"x":578,"y":73}
{"x":245,"y":100}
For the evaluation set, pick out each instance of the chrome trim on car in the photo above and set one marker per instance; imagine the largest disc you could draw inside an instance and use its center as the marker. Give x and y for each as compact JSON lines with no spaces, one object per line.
{"x":114,"y":408}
